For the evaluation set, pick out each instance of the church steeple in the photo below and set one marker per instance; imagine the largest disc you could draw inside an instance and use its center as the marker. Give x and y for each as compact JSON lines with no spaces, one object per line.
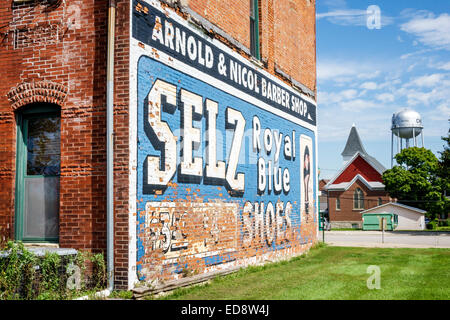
{"x":353,"y":145}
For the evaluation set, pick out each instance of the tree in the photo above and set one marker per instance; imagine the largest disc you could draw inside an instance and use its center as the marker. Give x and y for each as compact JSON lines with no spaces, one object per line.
{"x":444,"y":170}
{"x":415,"y":181}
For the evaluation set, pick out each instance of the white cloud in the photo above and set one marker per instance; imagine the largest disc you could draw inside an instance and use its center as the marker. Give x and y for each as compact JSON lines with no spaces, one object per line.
{"x":430,"y":30}
{"x":438,"y":94}
{"x":389,"y":83}
{"x":330,"y":70}
{"x":358,"y":105}
{"x":411,"y":67}
{"x":440,"y":65}
{"x":369,"y":85}
{"x":427,"y":81}
{"x":345,"y":16}
{"x":345,"y":71}
{"x":369,"y":75}
{"x":385,"y":97}
{"x":335,"y":125}
{"x":326,"y":98}
{"x":349,"y":94}
{"x":444,"y":66}
{"x":351,"y":17}
{"x":412,"y":54}
{"x":442,"y":112}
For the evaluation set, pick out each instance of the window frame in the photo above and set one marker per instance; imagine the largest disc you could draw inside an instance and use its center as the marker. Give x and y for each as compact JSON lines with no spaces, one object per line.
{"x":33,"y":110}
{"x":254,"y":29}
{"x":358,"y":199}
{"x":338,"y":204}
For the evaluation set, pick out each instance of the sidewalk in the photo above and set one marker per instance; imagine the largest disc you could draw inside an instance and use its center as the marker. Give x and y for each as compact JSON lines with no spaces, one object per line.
{"x":383,"y":245}
{"x":375,"y":239}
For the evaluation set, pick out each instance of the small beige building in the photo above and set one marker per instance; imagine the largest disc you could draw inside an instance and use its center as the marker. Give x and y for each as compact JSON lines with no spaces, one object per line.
{"x":409,"y":218}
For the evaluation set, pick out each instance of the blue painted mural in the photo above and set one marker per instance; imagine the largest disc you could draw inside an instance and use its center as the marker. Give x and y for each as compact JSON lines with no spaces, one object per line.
{"x":222,"y":172}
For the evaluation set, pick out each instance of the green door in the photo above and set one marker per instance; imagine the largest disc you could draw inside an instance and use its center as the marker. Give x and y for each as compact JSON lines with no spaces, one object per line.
{"x":38,"y":170}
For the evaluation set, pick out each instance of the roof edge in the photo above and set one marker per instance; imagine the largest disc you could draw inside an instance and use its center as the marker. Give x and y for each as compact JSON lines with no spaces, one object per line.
{"x":398,"y":205}
{"x":349,"y":184}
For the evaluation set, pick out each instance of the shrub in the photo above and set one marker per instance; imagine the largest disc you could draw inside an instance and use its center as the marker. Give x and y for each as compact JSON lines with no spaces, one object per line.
{"x":23,"y":275}
{"x":99,"y":277}
{"x":444,"y":223}
{"x":17,"y":272}
{"x":433,"y":224}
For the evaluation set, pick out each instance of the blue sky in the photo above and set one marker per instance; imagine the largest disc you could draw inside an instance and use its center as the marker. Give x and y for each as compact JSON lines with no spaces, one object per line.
{"x":365,"y":75}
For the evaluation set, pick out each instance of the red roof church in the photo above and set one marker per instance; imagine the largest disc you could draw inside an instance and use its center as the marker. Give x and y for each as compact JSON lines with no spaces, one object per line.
{"x":356,"y":187}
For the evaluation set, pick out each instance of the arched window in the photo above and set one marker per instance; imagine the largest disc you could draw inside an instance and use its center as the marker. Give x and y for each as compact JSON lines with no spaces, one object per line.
{"x":358,"y":199}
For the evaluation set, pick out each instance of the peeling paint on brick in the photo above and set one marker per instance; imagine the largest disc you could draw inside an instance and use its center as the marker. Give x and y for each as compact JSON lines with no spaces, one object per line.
{"x":58,"y":55}
{"x":254,"y":199}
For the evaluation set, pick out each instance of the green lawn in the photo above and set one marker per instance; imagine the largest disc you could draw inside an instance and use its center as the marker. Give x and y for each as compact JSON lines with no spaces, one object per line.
{"x":336,"y":273}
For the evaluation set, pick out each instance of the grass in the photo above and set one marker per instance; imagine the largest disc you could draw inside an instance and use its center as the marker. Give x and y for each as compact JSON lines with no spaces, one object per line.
{"x":425,"y":230}
{"x":335,"y":273}
{"x":438,"y":229}
{"x":121,"y":294}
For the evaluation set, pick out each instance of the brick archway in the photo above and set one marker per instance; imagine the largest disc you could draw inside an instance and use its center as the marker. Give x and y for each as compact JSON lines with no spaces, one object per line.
{"x":38,"y":91}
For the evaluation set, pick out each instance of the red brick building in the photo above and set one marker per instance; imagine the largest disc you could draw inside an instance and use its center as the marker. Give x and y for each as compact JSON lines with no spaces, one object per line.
{"x":323,"y":195}
{"x":357,"y":186}
{"x":53,"y":124}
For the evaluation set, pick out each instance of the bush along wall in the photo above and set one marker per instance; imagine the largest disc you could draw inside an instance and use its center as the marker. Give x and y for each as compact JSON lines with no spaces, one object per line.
{"x":26,"y":276}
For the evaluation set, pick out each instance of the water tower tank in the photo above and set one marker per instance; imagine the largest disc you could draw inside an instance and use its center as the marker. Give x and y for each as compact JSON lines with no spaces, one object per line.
{"x":406,"y":124}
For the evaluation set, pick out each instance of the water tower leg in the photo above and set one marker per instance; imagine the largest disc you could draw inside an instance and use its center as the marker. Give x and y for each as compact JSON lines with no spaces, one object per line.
{"x":392,"y":149}
{"x":414,"y":137}
{"x":423,"y":146}
{"x":398,"y":144}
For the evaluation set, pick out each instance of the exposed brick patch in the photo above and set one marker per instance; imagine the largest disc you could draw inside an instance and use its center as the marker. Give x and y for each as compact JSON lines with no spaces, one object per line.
{"x":44,"y":33}
{"x":59,"y":56}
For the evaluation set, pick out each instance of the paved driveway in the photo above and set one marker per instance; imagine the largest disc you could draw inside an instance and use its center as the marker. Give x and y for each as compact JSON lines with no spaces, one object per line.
{"x":391,"y":239}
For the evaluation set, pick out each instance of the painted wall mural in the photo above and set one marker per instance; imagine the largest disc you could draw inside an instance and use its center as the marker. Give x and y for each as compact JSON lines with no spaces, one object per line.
{"x":225,"y":153}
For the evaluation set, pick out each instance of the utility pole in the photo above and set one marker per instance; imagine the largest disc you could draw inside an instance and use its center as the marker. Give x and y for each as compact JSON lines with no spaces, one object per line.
{"x":322,"y":218}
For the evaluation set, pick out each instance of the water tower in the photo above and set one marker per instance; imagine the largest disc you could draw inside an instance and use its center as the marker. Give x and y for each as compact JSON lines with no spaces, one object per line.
{"x":406,"y":125}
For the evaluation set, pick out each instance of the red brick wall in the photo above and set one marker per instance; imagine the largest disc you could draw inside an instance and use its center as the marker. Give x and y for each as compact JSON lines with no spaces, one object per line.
{"x":67,"y":46}
{"x":347,"y":213}
{"x":233,"y":19}
{"x":287,"y":32}
{"x":295,"y":39}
